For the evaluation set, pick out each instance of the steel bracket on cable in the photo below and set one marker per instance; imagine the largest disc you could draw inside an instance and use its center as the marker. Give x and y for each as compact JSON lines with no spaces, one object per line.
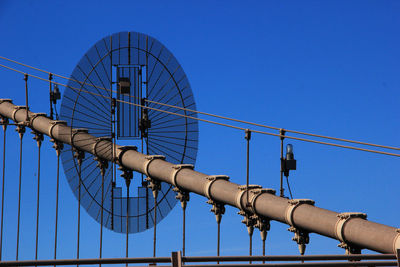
{"x":38,"y":136}
{"x":248,"y":219}
{"x":154,"y":185}
{"x":301,"y":237}
{"x":149,"y":159}
{"x":217,"y":208}
{"x":58,"y":146}
{"x":396,"y":246}
{"x":339,"y":229}
{"x":74,"y":133}
{"x":262,"y":223}
{"x":16,"y":108}
{"x":182,"y":195}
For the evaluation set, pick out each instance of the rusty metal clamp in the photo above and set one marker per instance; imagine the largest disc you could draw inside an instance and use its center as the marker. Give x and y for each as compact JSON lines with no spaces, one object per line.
{"x":150,"y":158}
{"x":177,"y":168}
{"x":211,"y":179}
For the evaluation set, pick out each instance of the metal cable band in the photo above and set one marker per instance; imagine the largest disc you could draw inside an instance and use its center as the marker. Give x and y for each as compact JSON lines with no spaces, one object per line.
{"x":123,"y":150}
{"x":54,"y":123}
{"x":293,"y":204}
{"x":16,"y":108}
{"x":149,"y":160}
{"x":98,"y":140}
{"x":35,"y":115}
{"x":256,"y":194}
{"x":396,"y":242}
{"x":343,"y":219}
{"x":2,"y":100}
{"x":177,"y":168}
{"x":243,"y":189}
{"x":211,"y":179}
{"x":76,"y":131}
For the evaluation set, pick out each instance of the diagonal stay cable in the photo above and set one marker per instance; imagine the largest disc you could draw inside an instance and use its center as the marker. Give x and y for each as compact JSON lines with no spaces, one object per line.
{"x":241,"y":128}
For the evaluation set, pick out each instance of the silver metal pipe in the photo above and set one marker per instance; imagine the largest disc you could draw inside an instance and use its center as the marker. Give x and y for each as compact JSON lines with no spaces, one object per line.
{"x":353,"y":231}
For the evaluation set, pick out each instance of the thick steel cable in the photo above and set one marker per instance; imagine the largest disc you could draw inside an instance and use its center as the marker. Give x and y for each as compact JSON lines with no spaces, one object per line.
{"x":241,"y":128}
{"x":2,"y":189}
{"x":19,"y":192}
{"x":205,"y":113}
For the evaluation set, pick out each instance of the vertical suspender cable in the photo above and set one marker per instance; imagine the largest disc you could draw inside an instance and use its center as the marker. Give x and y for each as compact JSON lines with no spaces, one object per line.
{"x":58,"y":146}
{"x":79,"y":154}
{"x":282,"y":133}
{"x":248,"y":137}
{"x":183,"y":231}
{"x":127,"y":223}
{"x":4,"y":122}
{"x":21,"y":130}
{"x":79,"y":209}
{"x":155,"y":226}
{"x":103,"y":166}
{"x":218,"y":239}
{"x":39,"y":138}
{"x":26,"y":95}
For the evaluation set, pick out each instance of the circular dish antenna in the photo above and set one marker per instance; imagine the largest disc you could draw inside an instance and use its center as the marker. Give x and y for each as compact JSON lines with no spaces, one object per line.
{"x":111,"y":93}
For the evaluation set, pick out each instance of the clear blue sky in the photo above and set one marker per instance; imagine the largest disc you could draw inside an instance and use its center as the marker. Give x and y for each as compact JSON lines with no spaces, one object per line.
{"x":327,"y":67}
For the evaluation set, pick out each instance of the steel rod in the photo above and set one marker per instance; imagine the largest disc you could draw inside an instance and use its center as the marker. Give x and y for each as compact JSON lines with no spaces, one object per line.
{"x":19,"y":194}
{"x":79,"y":209}
{"x":183,"y":231}
{"x":357,"y":231}
{"x":155,"y":226}
{"x":101,"y":219}
{"x":37,"y":203}
{"x":127,"y":223}
{"x":57,"y":197}
{"x":369,"y":259}
{"x":2,"y":190}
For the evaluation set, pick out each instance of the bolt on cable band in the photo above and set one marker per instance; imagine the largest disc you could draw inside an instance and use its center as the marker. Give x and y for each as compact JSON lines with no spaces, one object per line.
{"x":211,"y":179}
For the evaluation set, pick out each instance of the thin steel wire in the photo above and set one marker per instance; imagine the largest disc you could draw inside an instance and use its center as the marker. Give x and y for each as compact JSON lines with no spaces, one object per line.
{"x":2,"y":190}
{"x":79,"y":209}
{"x":183,"y":231}
{"x":102,"y":209}
{"x":19,"y":194}
{"x":155,"y":226}
{"x":213,"y":115}
{"x":57,"y":197}
{"x":37,"y":203}
{"x":241,"y":128}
